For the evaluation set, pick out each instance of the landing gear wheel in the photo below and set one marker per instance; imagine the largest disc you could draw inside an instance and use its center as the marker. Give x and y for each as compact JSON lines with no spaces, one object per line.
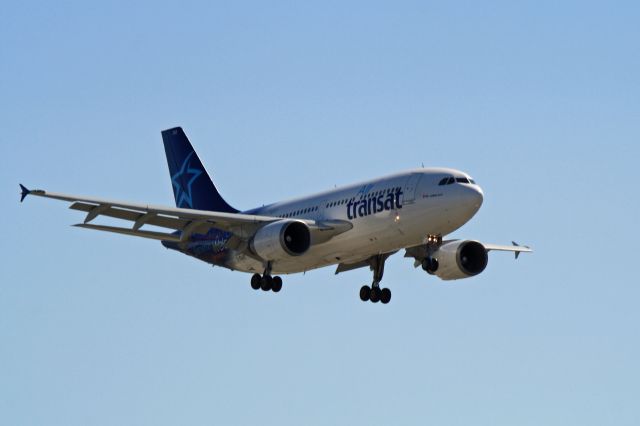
{"x":276,"y":285}
{"x":375,"y":294}
{"x":365,"y":293}
{"x":430,"y":265}
{"x":256,"y":281}
{"x":385,"y":295}
{"x":267,"y":283}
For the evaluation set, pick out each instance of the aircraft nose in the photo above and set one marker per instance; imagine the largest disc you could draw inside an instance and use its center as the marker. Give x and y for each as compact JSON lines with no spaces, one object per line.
{"x":478,"y":196}
{"x":474,"y":196}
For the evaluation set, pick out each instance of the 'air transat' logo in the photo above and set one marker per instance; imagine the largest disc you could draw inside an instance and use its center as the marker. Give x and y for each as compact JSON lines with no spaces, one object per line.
{"x":179,"y":180}
{"x":389,"y":200}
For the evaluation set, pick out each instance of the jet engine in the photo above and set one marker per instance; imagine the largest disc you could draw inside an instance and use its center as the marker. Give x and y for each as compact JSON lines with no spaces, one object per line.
{"x":281,"y":239}
{"x":457,"y":259}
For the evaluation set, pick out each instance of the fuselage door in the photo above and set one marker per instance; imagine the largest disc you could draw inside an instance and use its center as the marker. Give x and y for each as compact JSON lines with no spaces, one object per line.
{"x":410,"y":187}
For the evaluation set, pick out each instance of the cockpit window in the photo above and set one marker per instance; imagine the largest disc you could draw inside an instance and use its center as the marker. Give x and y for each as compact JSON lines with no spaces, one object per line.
{"x":443,"y":181}
{"x":451,"y":180}
{"x":462,"y":180}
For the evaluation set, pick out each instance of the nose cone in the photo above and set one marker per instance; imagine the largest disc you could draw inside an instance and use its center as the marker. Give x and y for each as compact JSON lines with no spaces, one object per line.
{"x":477,"y":196}
{"x":472,"y":198}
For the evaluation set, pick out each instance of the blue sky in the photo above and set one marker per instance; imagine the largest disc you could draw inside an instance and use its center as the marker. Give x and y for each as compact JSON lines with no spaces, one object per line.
{"x":538,"y":101}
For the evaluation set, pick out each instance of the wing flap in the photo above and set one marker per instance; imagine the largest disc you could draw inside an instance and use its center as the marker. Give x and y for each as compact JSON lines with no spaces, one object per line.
{"x":134,"y":216}
{"x":344,"y":267}
{"x":127,"y":231}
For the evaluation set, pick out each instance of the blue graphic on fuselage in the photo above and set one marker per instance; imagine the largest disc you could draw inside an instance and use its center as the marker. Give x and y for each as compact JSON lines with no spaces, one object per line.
{"x":210,"y":247}
{"x":182,"y":186}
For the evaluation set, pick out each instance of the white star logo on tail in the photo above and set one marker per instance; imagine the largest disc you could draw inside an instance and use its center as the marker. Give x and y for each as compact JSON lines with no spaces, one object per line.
{"x":183,"y":195}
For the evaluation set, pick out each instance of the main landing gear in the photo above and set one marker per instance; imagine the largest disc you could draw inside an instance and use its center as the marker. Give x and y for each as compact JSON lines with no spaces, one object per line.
{"x":265,"y":281}
{"x":374,"y":293}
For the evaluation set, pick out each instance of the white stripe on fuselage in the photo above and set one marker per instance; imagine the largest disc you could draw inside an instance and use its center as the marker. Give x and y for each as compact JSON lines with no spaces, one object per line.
{"x":387,"y":214}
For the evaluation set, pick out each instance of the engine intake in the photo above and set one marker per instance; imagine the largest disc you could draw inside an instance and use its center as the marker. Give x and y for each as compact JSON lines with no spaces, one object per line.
{"x":460,"y":259}
{"x":281,"y":239}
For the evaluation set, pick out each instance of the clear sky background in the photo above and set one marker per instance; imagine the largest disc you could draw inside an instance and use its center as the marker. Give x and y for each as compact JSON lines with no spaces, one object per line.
{"x":538,"y":101}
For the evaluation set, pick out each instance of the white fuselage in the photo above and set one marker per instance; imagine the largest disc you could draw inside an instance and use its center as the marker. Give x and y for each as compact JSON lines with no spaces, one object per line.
{"x":417,"y":204}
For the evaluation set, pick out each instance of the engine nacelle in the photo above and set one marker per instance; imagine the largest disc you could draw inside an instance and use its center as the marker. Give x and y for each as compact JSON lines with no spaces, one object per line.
{"x":460,"y":259}
{"x":281,"y":239}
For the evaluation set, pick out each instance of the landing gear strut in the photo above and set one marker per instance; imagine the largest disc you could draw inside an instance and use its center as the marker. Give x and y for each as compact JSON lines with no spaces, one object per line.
{"x":374,"y":293}
{"x":430,"y":263}
{"x":265,"y":281}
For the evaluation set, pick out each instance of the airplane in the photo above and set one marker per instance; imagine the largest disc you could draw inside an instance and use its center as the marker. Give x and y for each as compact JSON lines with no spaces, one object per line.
{"x":353,"y":227}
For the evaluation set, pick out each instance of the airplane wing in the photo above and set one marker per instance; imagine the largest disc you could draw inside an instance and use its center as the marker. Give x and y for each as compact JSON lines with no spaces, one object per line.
{"x":420,"y":252}
{"x":188,"y":221}
{"x":516,"y":248}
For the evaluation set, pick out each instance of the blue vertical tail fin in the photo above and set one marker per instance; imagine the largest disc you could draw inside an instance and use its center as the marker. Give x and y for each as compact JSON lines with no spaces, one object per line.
{"x":192,"y":186}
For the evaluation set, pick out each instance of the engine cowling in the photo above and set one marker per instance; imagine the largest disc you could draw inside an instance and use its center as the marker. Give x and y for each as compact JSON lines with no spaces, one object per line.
{"x":460,"y":259}
{"x":281,"y":240}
